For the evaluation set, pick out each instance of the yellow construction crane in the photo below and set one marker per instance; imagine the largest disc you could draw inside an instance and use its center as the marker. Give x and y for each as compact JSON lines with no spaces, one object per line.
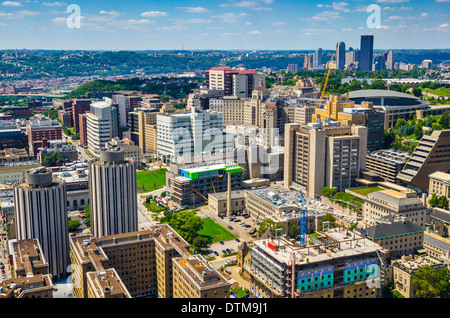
{"x":326,"y":82}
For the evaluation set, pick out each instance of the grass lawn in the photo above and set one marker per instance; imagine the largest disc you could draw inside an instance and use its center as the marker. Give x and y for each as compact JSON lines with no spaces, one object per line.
{"x":149,"y":181}
{"x":215,"y":231}
{"x":440,"y":91}
{"x":366,"y":191}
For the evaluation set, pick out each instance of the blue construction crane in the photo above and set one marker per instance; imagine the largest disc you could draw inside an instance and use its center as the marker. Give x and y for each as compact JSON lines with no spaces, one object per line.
{"x":303,"y":221}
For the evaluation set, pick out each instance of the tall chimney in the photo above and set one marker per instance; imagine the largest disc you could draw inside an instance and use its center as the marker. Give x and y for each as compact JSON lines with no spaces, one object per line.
{"x":229,"y":212}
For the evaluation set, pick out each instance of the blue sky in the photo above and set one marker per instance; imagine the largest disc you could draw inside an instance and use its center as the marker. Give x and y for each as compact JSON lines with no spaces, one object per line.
{"x":223,"y":24}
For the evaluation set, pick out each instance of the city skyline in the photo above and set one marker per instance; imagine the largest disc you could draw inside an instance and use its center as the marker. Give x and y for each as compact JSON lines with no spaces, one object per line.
{"x":222,"y":25}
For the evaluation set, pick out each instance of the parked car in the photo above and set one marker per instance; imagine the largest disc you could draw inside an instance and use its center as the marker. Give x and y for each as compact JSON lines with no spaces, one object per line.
{"x":222,"y":243}
{"x":228,"y":271}
{"x":228,"y":250}
{"x":230,"y":227}
{"x":215,"y":253}
{"x":237,"y":240}
{"x":224,"y":252}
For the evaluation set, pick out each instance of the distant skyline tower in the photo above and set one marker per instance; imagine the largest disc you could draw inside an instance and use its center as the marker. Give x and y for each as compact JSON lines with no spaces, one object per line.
{"x":113,"y":194}
{"x":308,"y":64}
{"x":366,"y":54}
{"x":41,"y":213}
{"x":390,"y":61}
{"x":340,"y":55}
{"x":317,"y":61}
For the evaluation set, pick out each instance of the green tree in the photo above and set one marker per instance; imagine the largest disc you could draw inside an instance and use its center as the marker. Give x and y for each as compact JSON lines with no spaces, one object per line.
{"x":328,"y":192}
{"x":53,"y":160}
{"x":328,"y":217}
{"x":293,"y":229}
{"x":267,"y":224}
{"x":87,"y":215}
{"x":200,"y":243}
{"x":417,"y":91}
{"x":433,"y":200}
{"x":187,"y":224}
{"x":442,"y":202}
{"x":431,"y":283}
{"x":74,"y":225}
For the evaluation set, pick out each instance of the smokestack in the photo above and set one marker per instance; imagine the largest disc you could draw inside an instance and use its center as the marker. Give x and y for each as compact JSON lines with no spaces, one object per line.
{"x":229,"y":213}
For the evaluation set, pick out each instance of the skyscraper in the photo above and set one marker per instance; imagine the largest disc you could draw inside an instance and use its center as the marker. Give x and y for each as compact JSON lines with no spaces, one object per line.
{"x":366,"y":55}
{"x":307,"y":64}
{"x":113,"y":194}
{"x":340,"y":55}
{"x":390,"y":62}
{"x":99,"y":126}
{"x":41,"y":213}
{"x":317,"y":58}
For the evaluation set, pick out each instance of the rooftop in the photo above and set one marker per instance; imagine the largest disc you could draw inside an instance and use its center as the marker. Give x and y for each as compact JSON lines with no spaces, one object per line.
{"x":385,"y":230}
{"x":439,"y":175}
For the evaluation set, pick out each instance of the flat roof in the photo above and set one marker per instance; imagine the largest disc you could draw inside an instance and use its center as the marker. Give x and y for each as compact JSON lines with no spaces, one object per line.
{"x":441,"y":176}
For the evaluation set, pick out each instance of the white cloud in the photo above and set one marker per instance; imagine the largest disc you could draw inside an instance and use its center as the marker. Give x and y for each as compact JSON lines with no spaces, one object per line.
{"x":255,"y":5}
{"x":392,"y":1}
{"x":328,"y":16}
{"x":194,"y":9}
{"x":230,"y":17}
{"x":279,"y":23}
{"x":191,"y":21}
{"x":11,"y":4}
{"x":254,"y":32}
{"x":54,"y":4}
{"x":154,"y":14}
{"x":29,"y":13}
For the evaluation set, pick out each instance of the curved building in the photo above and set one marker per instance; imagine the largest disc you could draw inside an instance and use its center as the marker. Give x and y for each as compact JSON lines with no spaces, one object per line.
{"x":40,"y":212}
{"x":393,"y":104}
{"x":113,"y":194}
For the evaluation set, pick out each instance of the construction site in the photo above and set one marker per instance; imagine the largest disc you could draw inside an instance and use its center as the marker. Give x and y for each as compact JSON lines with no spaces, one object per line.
{"x":334,"y":263}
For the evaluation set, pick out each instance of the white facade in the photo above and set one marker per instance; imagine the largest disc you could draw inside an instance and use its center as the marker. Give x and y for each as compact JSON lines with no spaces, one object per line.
{"x":99,"y":126}
{"x":189,"y":134}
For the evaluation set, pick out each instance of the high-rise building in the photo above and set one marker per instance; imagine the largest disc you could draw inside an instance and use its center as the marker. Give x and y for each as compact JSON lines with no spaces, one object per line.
{"x":340,"y":55}
{"x":41,"y":213}
{"x":292,"y":68}
{"x":113,"y":194}
{"x":79,"y":106}
{"x":99,"y":126}
{"x":431,"y":154}
{"x":390,"y":61}
{"x":308,"y":63}
{"x":83,"y":129}
{"x":316,"y":156}
{"x":185,"y":134}
{"x":366,"y":53}
{"x":379,"y":63}
{"x":317,"y":61}
{"x":234,"y":82}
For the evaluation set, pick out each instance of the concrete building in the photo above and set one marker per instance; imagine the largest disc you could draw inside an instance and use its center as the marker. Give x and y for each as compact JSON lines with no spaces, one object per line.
{"x":400,"y":204}
{"x":31,"y":272}
{"x":65,"y":117}
{"x":439,"y":222}
{"x":437,"y":247}
{"x":217,"y":203}
{"x":99,"y":126}
{"x":233,"y":82}
{"x":339,"y":108}
{"x":157,"y":264}
{"x":83,"y":129}
{"x":40,"y":213}
{"x":186,"y":135}
{"x":404,"y":269}
{"x":68,"y":152}
{"x":292,"y":68}
{"x":147,"y":130}
{"x":316,"y":156}
{"x":231,"y":107}
{"x":387,"y":163}
{"x":191,"y":185}
{"x":131,"y":151}
{"x":333,"y":266}
{"x":41,"y":130}
{"x":13,"y":138}
{"x":281,"y":205}
{"x":399,"y":238}
{"x":12,"y":172}
{"x":112,"y":194}
{"x":14,"y":155}
{"x":440,"y":184}
{"x":432,"y":154}
{"x":76,"y":181}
